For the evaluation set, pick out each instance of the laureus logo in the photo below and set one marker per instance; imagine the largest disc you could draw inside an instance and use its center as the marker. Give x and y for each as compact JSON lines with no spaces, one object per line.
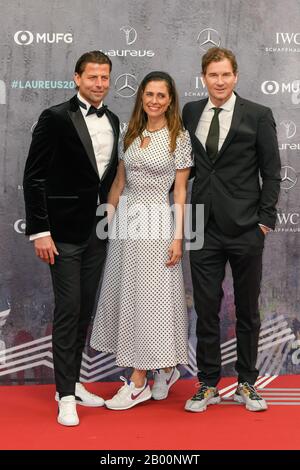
{"x":288,"y":128}
{"x":130,"y":34}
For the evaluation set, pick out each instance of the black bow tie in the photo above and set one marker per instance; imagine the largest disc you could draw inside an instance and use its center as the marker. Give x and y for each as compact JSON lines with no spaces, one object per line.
{"x":99,"y":111}
{"x":93,"y":110}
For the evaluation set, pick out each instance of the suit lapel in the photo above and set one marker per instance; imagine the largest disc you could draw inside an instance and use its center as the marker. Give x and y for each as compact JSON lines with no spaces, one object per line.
{"x":236,"y":120}
{"x":197,"y":114}
{"x":195,"y":117}
{"x":82,"y":130}
{"x":113,"y":152}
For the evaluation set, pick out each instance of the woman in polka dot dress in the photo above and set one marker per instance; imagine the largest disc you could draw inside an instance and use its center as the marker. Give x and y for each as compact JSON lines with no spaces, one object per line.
{"x":141,"y":316}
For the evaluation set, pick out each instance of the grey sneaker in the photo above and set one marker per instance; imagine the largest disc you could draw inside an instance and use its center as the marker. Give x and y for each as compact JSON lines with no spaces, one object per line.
{"x":205,"y":396}
{"x":246,"y":393}
{"x":163,"y":381}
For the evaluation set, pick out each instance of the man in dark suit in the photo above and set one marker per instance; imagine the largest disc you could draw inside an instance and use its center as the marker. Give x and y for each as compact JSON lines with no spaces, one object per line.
{"x":235,"y":144}
{"x":71,"y":165}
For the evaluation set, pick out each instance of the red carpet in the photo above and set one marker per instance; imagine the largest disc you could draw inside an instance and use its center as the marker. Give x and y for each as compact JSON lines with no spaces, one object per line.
{"x":28,"y":421}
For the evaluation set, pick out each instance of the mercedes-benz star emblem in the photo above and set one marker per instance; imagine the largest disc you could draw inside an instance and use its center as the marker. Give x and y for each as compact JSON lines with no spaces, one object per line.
{"x":126,"y":85}
{"x":208,"y":38}
{"x":289,"y":177}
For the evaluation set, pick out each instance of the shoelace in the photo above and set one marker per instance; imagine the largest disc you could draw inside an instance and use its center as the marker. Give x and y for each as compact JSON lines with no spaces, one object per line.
{"x":158,"y":377}
{"x":68,"y":407}
{"x":253,"y":395}
{"x":125,"y":386}
{"x":201,"y":392}
{"x":85,"y":391}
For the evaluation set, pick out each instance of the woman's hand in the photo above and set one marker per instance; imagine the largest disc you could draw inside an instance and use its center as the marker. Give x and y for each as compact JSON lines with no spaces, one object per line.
{"x":174,"y":253}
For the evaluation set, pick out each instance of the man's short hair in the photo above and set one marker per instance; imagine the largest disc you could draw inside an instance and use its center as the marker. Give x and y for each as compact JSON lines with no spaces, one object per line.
{"x":216,"y":54}
{"x":96,"y":57}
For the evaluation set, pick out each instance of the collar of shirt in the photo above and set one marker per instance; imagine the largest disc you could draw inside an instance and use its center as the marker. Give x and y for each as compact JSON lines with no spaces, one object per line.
{"x":227,"y":106}
{"x":88,"y":105}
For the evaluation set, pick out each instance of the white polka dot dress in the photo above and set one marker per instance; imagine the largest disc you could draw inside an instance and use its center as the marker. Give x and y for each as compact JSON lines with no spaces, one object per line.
{"x":141,"y":315}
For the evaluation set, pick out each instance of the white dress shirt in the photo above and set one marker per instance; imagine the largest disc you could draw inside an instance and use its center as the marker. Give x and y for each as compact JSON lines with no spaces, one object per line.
{"x":102,"y":137}
{"x":225,"y":118}
{"x":101,"y":134}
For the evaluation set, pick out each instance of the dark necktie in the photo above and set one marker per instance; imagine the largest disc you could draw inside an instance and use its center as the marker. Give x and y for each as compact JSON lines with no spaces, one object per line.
{"x":93,"y":110}
{"x":212,"y":141}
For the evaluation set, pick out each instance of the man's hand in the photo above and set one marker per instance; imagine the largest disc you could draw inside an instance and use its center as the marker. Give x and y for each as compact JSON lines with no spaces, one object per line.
{"x":45,"y":249}
{"x":264,"y":229}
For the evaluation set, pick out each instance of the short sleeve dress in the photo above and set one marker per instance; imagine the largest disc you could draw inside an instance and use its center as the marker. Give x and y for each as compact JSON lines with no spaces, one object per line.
{"x":141,"y":316}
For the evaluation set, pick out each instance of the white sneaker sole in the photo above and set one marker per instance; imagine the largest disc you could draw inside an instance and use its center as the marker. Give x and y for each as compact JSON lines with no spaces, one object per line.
{"x":63,"y":423}
{"x":163,"y":397}
{"x":127,"y":407}
{"x":240,"y":399}
{"x":211,"y":401}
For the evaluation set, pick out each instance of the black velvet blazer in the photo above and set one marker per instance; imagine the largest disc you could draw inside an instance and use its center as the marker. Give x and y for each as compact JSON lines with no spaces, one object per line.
{"x":61,"y":180}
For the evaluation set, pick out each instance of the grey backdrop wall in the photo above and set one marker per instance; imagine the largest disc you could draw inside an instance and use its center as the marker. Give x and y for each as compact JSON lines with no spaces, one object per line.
{"x":40,"y":42}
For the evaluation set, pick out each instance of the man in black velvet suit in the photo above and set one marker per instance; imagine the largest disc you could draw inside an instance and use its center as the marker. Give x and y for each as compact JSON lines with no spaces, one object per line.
{"x":235,"y":144}
{"x":71,"y":165}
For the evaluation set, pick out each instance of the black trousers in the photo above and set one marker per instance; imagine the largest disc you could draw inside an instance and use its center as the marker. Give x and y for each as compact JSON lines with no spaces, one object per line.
{"x":244,"y":253}
{"x":75,"y":277}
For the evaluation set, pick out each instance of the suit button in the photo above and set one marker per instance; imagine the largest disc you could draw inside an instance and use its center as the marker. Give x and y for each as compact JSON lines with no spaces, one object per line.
{"x":212,"y":172}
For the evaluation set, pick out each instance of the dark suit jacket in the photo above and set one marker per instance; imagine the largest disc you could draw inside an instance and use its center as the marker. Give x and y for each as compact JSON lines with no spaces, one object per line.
{"x":61,"y":180}
{"x":231,"y":185}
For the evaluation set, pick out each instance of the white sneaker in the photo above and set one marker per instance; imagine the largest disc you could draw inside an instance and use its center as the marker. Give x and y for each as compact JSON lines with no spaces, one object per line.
{"x":84,"y":397}
{"x":128,"y":396}
{"x":67,"y":415}
{"x":163,"y":381}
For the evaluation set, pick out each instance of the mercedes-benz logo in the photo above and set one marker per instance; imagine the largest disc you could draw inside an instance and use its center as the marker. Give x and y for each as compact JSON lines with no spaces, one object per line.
{"x":130,"y":34}
{"x":126,"y":85}
{"x":289,"y":128}
{"x":208,"y":38}
{"x":289,"y":177}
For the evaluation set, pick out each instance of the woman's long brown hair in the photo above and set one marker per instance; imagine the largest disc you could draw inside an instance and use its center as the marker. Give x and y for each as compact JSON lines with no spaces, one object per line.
{"x":138,"y":120}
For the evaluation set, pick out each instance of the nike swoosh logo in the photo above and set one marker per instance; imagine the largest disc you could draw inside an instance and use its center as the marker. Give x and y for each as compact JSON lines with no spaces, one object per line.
{"x":133,"y":397}
{"x":168,"y":381}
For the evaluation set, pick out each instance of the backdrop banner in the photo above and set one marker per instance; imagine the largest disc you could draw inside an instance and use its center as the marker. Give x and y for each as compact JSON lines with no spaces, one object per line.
{"x":40,"y":43}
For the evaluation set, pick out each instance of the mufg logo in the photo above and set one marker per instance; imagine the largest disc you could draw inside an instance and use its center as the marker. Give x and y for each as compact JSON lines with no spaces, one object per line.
{"x":24,"y":38}
{"x":2,"y":92}
{"x":271,"y":87}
